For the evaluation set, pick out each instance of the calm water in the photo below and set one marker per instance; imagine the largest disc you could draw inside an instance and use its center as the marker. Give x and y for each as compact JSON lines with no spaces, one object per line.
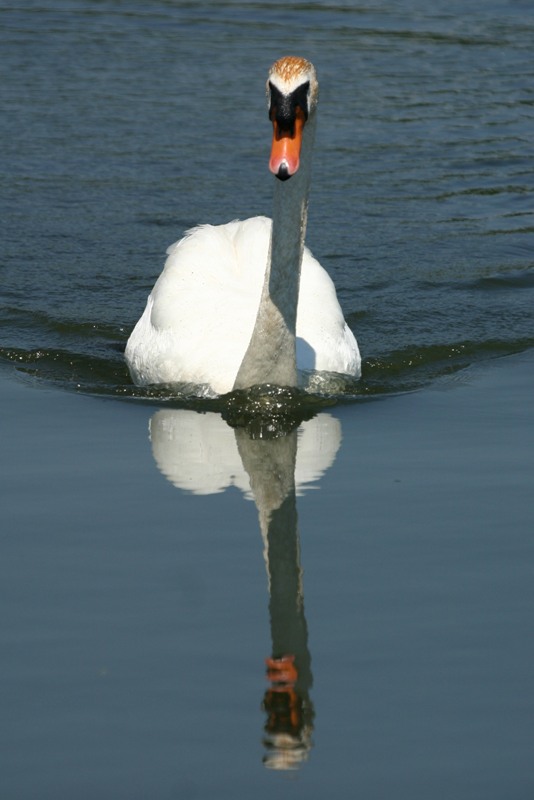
{"x":138,"y":609}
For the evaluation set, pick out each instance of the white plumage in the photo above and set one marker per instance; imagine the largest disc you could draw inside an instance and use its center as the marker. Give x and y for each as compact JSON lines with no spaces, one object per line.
{"x":222,"y":313}
{"x":200,"y":315}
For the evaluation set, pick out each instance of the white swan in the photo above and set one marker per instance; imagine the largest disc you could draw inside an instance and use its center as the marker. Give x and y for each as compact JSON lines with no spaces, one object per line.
{"x":246,"y":303}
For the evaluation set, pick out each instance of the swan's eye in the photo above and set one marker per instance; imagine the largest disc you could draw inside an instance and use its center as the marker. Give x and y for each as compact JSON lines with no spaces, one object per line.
{"x":283,"y":107}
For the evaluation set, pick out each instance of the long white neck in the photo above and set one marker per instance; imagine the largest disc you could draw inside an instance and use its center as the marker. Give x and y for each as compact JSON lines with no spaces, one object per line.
{"x":271,"y":354}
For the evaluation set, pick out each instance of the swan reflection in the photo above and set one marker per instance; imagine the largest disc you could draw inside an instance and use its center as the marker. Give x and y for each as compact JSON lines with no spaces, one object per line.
{"x":200,"y":453}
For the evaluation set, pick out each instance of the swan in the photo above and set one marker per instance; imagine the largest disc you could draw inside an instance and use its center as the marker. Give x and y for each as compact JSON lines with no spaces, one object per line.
{"x":246,"y":303}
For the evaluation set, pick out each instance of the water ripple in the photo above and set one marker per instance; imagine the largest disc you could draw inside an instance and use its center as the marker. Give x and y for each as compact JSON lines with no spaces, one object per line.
{"x":421,"y":205}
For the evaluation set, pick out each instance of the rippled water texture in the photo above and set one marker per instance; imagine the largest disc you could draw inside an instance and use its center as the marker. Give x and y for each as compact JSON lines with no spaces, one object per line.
{"x":125,"y":124}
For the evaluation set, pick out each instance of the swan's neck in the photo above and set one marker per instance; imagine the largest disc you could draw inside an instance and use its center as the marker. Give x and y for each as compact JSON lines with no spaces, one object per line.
{"x":271,"y":354}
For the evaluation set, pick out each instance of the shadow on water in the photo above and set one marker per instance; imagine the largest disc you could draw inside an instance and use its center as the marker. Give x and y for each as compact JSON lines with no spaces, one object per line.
{"x":201,"y":454}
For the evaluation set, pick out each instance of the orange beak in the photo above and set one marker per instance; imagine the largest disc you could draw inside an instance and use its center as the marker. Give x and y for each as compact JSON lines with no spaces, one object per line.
{"x":285,"y":149}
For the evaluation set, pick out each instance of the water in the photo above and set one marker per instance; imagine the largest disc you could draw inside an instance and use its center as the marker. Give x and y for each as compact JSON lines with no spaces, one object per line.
{"x":123,"y":127}
{"x":137,"y":613}
{"x":137,"y":610}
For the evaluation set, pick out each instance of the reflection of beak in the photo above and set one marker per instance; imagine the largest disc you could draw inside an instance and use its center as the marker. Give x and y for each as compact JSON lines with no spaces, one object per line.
{"x":282,"y":670}
{"x":285,"y":150}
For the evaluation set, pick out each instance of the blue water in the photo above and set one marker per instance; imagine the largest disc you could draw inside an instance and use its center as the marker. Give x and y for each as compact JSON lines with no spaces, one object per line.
{"x":153,"y":556}
{"x":142,"y":592}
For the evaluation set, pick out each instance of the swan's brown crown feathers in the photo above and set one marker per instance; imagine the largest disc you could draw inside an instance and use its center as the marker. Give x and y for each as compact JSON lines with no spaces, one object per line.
{"x":289,"y":72}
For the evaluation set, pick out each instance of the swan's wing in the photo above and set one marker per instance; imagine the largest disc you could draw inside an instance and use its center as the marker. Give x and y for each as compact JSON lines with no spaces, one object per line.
{"x":324,"y":340}
{"x":201,"y":312}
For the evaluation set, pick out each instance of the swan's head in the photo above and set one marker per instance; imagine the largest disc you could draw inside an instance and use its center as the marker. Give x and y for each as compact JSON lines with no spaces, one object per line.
{"x":292,"y":90}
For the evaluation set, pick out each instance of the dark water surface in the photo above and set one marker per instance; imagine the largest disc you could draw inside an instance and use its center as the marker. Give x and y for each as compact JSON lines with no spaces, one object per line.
{"x":137,"y":610}
{"x":125,"y":124}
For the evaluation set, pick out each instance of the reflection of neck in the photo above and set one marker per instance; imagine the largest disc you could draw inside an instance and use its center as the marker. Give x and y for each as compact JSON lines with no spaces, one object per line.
{"x":270,"y":465}
{"x":270,"y":357}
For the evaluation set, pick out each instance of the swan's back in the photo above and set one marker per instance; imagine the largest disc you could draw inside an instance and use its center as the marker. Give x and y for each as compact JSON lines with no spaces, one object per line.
{"x":200,"y":315}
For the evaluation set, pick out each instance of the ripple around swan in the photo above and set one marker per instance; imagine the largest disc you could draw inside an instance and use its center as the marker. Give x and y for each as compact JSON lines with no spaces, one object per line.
{"x":265,"y":411}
